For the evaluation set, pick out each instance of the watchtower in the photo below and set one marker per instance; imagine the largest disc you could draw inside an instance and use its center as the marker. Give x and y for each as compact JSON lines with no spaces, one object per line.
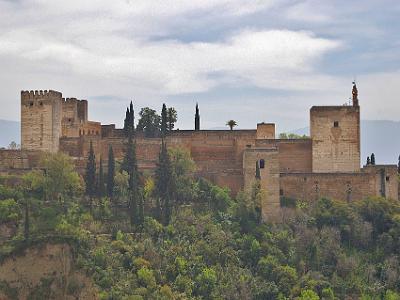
{"x":41,"y":114}
{"x":335,"y":134}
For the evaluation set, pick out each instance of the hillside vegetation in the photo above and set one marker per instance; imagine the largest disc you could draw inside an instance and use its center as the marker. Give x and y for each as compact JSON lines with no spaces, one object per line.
{"x":211,"y":246}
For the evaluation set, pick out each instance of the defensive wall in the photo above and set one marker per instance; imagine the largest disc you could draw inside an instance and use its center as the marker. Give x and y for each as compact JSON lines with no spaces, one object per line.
{"x":325,"y":165}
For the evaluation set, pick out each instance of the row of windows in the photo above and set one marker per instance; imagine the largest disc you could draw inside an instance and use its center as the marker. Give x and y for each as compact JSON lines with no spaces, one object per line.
{"x":89,"y":132}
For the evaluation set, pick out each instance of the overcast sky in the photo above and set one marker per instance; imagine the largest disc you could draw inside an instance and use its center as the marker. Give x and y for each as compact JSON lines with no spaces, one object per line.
{"x":250,"y":61}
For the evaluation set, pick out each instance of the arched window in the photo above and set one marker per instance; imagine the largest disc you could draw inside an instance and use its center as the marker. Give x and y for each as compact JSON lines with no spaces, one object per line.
{"x":262,"y":164}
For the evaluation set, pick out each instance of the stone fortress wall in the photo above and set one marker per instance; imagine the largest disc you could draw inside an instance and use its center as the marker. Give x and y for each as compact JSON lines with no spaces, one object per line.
{"x":325,"y":165}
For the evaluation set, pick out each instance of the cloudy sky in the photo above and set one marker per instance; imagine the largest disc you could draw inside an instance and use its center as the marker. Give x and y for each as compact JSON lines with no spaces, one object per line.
{"x":251,"y":61}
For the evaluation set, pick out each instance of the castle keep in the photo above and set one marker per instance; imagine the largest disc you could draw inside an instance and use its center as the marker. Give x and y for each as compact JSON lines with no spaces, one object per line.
{"x":325,"y":165}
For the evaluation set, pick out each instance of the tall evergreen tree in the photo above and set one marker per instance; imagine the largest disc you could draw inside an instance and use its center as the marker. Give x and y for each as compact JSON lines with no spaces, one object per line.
{"x":164,"y":120}
{"x":197,"y":118}
{"x":398,"y":166}
{"x":258,"y":174}
{"x":90,"y":176}
{"x":130,"y":166}
{"x":129,"y":122}
{"x":373,"y":159}
{"x":110,"y":172}
{"x":100,"y":187}
{"x":368,"y":161}
{"x":165,"y":185}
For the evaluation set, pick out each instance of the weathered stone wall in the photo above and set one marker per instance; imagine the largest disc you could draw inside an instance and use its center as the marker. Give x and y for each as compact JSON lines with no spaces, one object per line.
{"x":341,"y":186}
{"x":18,"y":161}
{"x":41,"y":113}
{"x":265,"y":131}
{"x":295,"y":155}
{"x":218,"y":154}
{"x":269,"y":179}
{"x":335,"y":133}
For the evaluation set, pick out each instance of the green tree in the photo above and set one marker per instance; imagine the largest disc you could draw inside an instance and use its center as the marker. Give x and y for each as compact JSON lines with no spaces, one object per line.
{"x":258,"y":173}
{"x":373,"y":159}
{"x":90,"y":175}
{"x":59,"y":180}
{"x":172,"y":117}
{"x":110,"y":172}
{"x":164,"y":120}
{"x":165,"y":185}
{"x":129,"y":122}
{"x":308,"y":295}
{"x":130,"y":166}
{"x":149,"y":122}
{"x":231,"y":124}
{"x":100,"y":185}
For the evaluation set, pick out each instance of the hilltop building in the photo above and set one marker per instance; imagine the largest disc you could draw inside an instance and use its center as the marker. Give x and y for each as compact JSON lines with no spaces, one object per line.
{"x":325,"y":165}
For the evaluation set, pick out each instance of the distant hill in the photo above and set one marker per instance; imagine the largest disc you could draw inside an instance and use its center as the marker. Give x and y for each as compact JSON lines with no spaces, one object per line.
{"x":377,"y":136}
{"x":9,"y":131}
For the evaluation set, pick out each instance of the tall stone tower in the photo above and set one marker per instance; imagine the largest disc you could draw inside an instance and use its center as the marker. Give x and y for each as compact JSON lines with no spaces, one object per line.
{"x":41,"y":114}
{"x":335,"y":134}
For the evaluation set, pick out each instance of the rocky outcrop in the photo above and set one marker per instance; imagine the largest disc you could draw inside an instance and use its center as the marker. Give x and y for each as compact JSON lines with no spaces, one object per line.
{"x":44,"y":272}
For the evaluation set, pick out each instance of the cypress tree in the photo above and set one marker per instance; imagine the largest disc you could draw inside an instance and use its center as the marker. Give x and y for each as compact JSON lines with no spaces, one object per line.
{"x":130,"y":166}
{"x":110,"y":172}
{"x":164,"y":121}
{"x":129,"y":122}
{"x":398,"y":166}
{"x":368,"y":161}
{"x":373,"y":159}
{"x":90,"y":176}
{"x":258,"y":174}
{"x":100,"y":189}
{"x":165,"y":185}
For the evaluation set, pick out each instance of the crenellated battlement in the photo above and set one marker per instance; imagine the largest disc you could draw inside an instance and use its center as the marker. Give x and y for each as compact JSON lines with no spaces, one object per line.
{"x":40,"y":94}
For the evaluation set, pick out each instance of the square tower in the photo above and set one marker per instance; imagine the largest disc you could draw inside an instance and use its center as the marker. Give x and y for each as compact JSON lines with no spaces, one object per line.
{"x":335,"y":134}
{"x":41,"y":113}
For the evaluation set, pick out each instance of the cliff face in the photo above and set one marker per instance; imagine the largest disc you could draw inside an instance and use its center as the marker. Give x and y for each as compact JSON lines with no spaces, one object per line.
{"x":44,"y":272}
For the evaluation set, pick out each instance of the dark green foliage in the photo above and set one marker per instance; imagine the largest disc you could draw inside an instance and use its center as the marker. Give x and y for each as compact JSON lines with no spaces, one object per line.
{"x":398,"y":166}
{"x":100,"y":184}
{"x":164,"y":121}
{"x":368,"y":161}
{"x":130,"y":166}
{"x":129,"y":121}
{"x":211,"y":246}
{"x":165,"y":185}
{"x":258,"y":174}
{"x":373,"y":159}
{"x":149,"y":122}
{"x":172,"y":117}
{"x":90,"y":175}
{"x":197,"y":119}
{"x":110,"y":172}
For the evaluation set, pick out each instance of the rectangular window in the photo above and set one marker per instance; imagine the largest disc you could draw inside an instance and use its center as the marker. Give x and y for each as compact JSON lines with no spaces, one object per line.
{"x":262,"y":164}
{"x":336,"y":124}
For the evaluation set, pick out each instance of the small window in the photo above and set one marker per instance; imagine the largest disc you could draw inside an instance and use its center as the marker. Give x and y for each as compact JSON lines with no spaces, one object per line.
{"x":31,"y":103}
{"x":336,"y":124}
{"x":262,"y":164}
{"x":281,"y":192}
{"x":387,"y":178}
{"x":41,"y":103}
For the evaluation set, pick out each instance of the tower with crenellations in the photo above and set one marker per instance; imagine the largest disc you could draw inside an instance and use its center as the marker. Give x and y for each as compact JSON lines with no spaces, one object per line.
{"x":41,"y":115}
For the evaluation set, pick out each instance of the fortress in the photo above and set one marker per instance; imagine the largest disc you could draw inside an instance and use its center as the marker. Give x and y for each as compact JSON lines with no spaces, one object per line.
{"x":325,"y":165}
